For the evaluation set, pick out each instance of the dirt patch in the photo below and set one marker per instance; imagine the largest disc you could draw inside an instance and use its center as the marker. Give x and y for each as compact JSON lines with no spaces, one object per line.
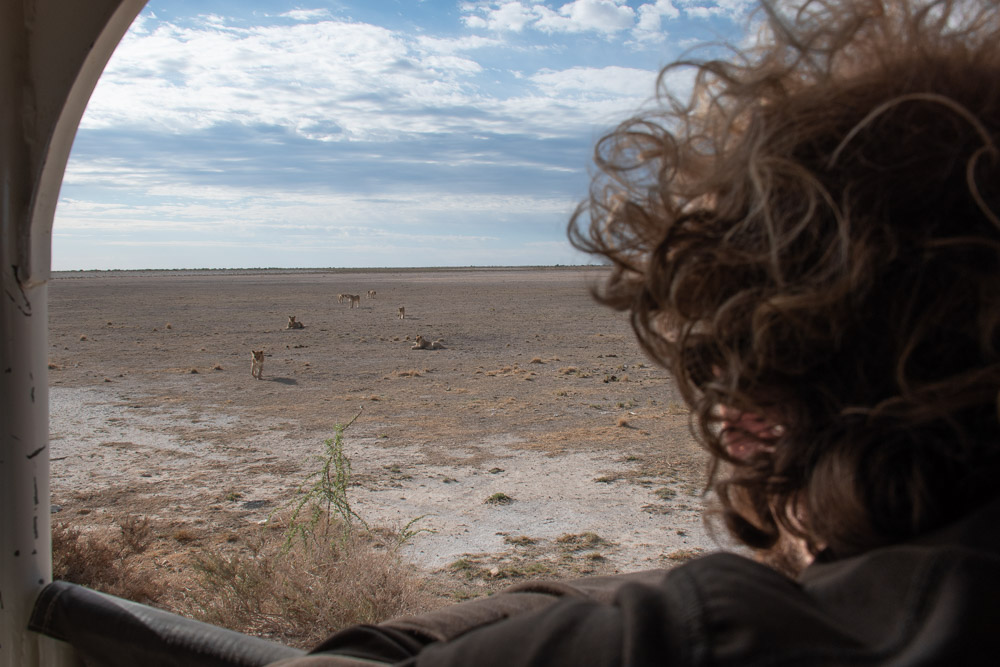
{"x":538,"y":394}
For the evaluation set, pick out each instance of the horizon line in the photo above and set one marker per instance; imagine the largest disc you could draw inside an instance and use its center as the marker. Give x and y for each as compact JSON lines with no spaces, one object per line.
{"x":321,"y":269}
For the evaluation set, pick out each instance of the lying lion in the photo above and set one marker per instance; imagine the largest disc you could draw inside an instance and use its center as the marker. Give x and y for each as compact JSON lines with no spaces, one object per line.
{"x":422,"y":343}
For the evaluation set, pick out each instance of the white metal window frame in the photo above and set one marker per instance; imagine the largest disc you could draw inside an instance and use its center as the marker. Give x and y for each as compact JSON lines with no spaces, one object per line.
{"x":52,"y":53}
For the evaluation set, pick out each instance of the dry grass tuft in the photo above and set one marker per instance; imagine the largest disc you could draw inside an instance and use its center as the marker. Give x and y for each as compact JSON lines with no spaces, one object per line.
{"x":183,"y":535}
{"x":168,"y":325}
{"x":623,"y":422}
{"x":412,"y":373}
{"x":106,"y":563}
{"x":505,"y":370}
{"x":83,"y":338}
{"x":585,"y":540}
{"x":499,"y":498}
{"x":302,"y":594}
{"x":536,"y":360}
{"x":217,"y":367}
{"x":682,"y":555}
{"x":568,"y":370}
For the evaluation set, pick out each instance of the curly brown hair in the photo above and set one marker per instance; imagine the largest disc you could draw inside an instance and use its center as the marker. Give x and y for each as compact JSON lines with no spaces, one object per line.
{"x":813,"y":235}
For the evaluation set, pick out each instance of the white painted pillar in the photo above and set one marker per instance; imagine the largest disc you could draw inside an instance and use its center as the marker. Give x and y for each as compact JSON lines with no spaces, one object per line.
{"x":51,"y":55}
{"x":26,"y":560}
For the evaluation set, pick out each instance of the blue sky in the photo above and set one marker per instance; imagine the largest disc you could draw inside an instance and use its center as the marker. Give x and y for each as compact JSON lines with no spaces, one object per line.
{"x":355,"y":133}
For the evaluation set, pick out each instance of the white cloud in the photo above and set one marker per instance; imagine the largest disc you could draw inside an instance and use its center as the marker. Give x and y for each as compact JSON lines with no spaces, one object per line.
{"x":605,"y":17}
{"x":509,"y":16}
{"x":605,"y":81}
{"x":301,"y":76}
{"x":306,"y":14}
{"x":475,"y":22}
{"x":601,"y":16}
{"x":650,"y":25}
{"x":457,"y":45}
{"x":334,"y":81}
{"x":733,"y":10}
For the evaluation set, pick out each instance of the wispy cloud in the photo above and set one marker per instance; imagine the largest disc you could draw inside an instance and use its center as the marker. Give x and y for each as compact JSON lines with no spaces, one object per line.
{"x":599,"y":16}
{"x":608,"y":18}
{"x":342,"y":135}
{"x":326,"y":81}
{"x":306,"y":14}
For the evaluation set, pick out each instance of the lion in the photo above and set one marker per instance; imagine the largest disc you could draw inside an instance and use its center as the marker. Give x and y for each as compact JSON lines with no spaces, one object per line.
{"x":257,"y":364}
{"x":422,"y":343}
{"x":371,"y":294}
{"x":402,"y":312}
{"x":294,"y":324}
{"x":355,"y":300}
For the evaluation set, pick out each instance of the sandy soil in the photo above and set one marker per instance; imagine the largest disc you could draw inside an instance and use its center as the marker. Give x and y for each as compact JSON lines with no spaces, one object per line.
{"x":539,"y":394}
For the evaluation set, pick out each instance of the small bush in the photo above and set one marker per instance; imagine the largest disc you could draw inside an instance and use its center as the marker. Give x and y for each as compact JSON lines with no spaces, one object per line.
{"x":499,"y":499}
{"x":665,"y":493}
{"x":585,"y":540}
{"x":316,"y":567}
{"x":106,"y":563}
{"x":303,"y":593}
{"x":183,"y":535}
{"x":460,"y":565}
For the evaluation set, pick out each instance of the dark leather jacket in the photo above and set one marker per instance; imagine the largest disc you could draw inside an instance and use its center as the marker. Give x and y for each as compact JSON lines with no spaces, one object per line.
{"x":933,"y":601}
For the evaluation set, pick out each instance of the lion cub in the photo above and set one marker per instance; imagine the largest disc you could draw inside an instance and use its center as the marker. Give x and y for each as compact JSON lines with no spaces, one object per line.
{"x":294,"y":324}
{"x":402,"y":312}
{"x":257,"y":364}
{"x":422,"y":343}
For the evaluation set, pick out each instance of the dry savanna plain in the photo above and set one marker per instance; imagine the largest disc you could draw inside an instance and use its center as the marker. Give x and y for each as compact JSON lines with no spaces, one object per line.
{"x":539,"y":441}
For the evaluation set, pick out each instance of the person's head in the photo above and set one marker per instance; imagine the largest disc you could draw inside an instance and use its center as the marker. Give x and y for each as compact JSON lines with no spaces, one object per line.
{"x":814,"y":237}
